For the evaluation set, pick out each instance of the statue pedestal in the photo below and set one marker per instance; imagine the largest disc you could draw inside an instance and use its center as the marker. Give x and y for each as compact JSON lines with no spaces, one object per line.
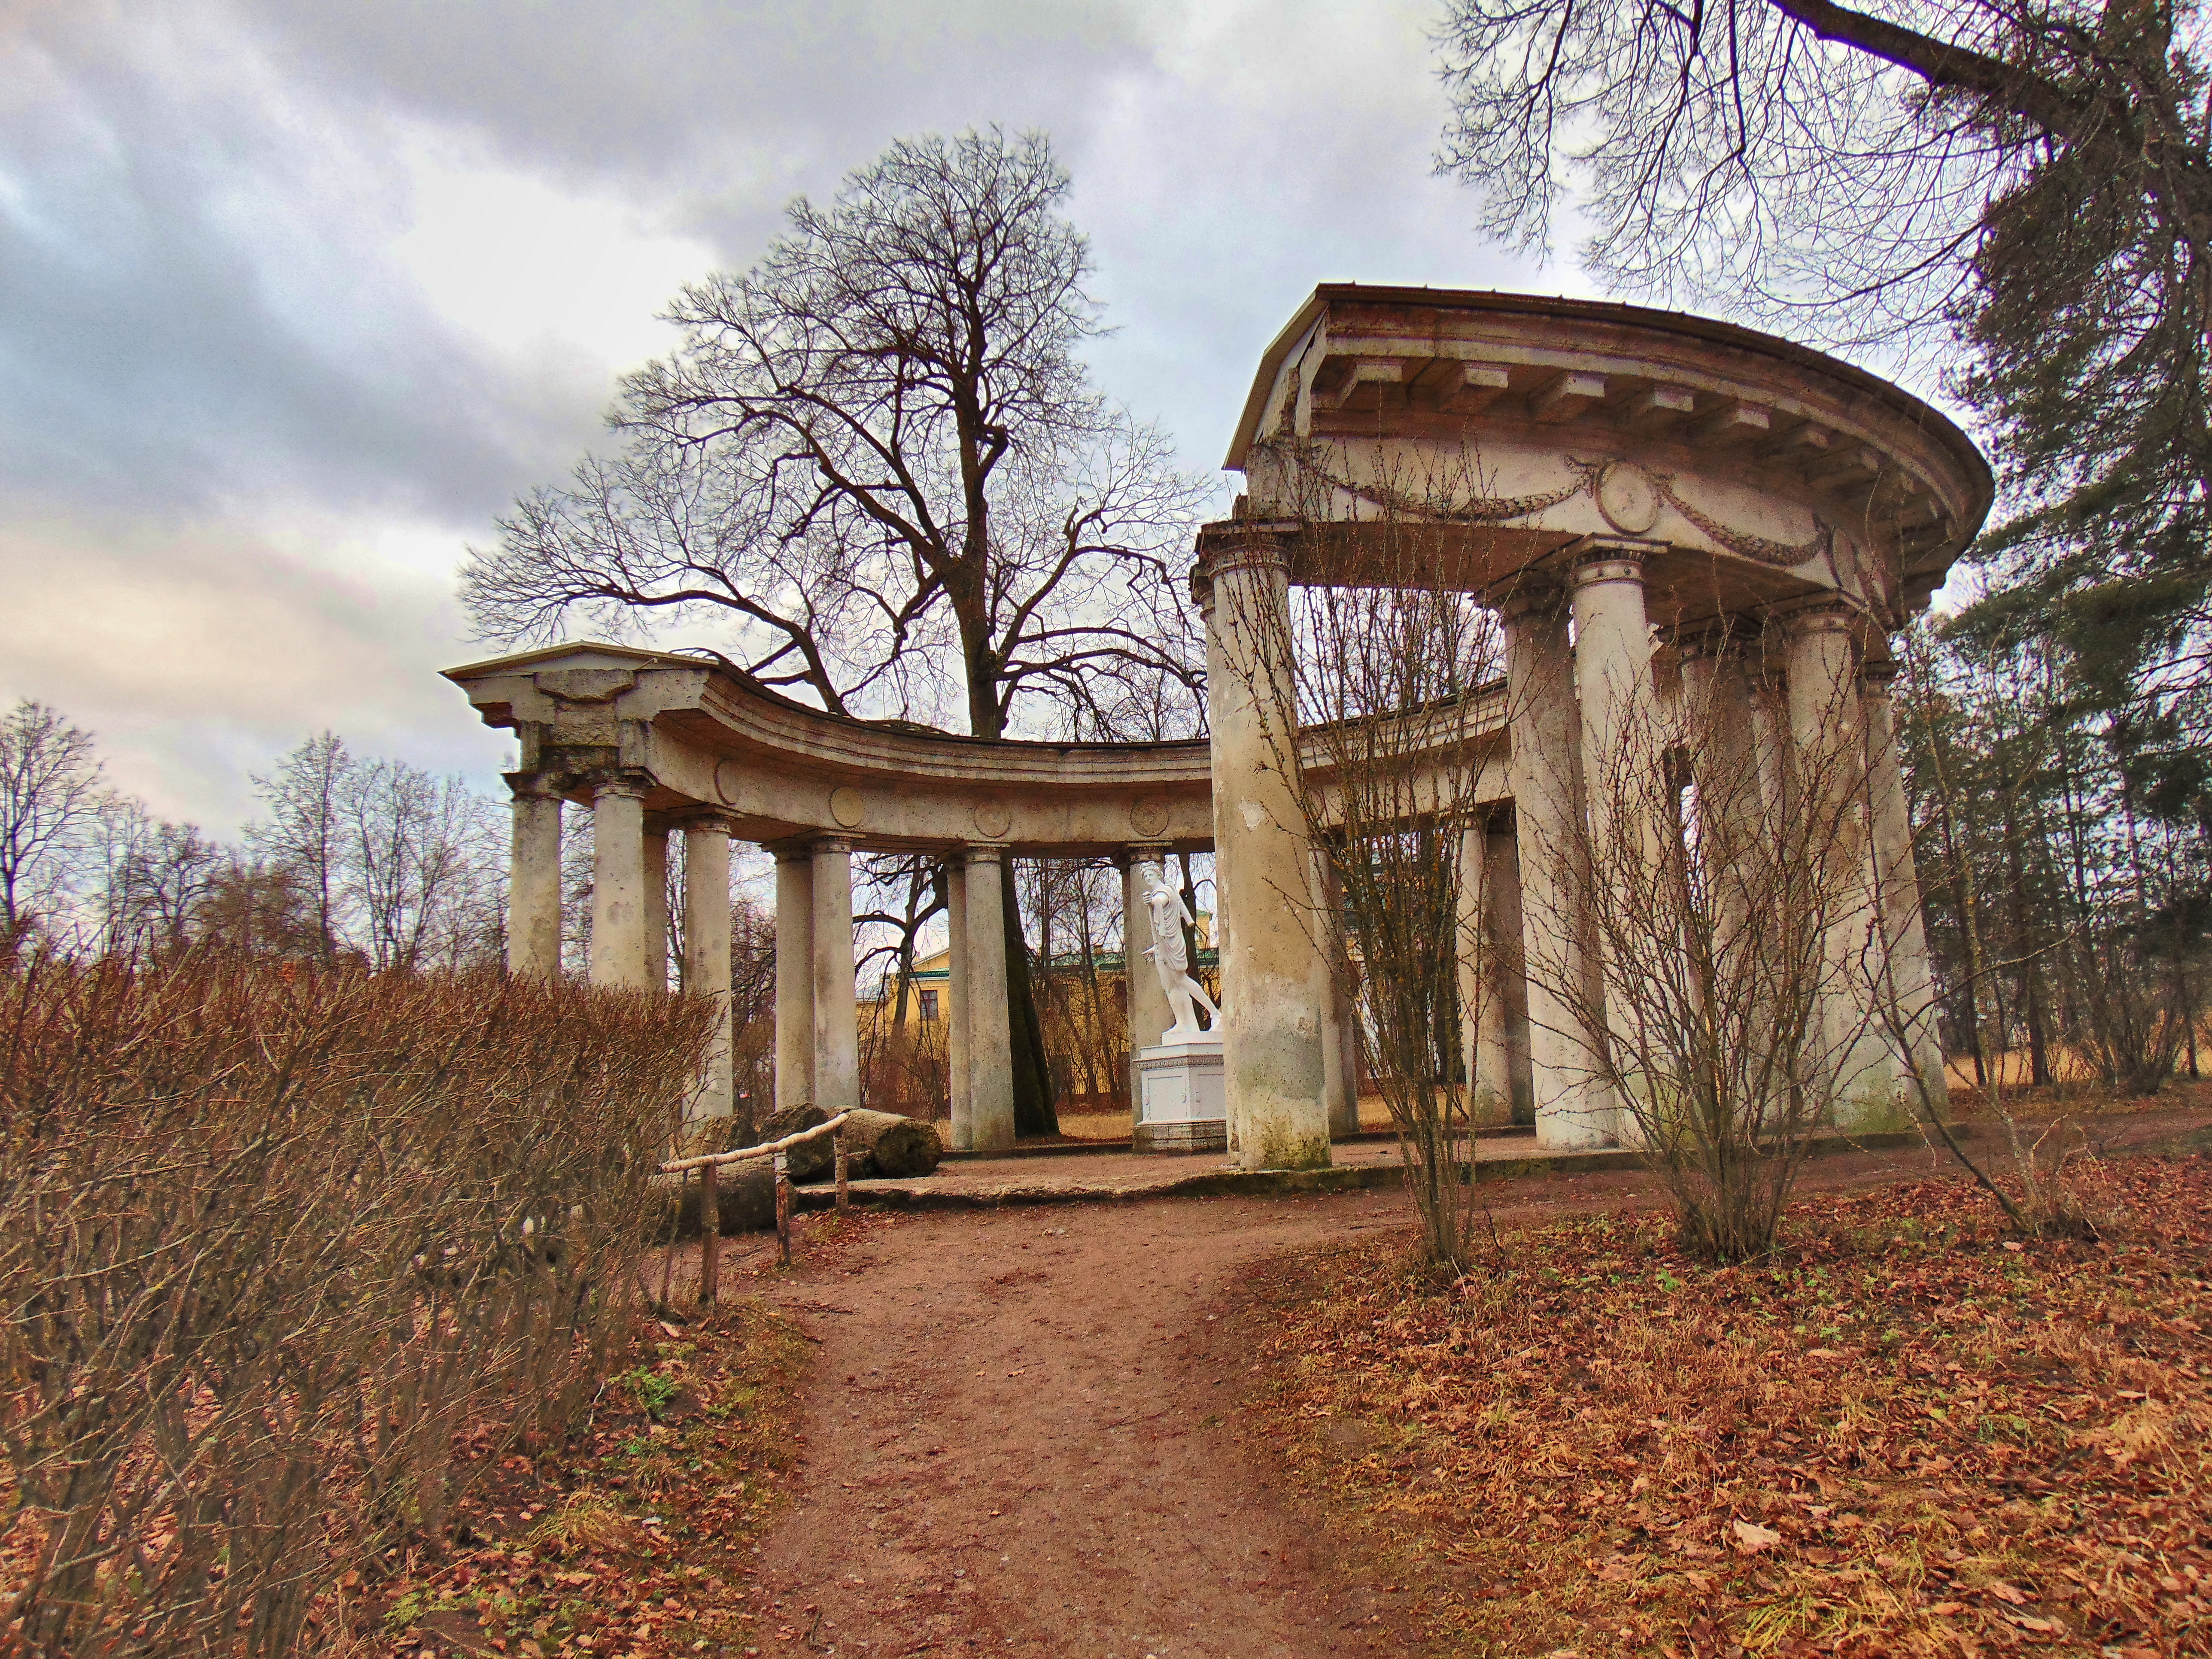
{"x":1178,"y":1086}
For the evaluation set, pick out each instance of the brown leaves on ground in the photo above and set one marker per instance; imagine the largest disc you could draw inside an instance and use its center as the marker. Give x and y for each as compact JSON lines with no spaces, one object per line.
{"x":1904,"y":1433}
{"x":637,"y":1537}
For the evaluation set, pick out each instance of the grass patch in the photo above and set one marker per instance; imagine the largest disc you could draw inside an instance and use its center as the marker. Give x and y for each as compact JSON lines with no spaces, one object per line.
{"x":1903,"y":1433}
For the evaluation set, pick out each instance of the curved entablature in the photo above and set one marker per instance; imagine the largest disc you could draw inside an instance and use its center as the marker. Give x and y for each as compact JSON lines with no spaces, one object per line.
{"x":698,"y":736}
{"x":1768,"y":473}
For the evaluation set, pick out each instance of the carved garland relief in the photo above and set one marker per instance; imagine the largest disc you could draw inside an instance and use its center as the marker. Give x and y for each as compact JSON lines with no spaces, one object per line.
{"x":1629,"y":497}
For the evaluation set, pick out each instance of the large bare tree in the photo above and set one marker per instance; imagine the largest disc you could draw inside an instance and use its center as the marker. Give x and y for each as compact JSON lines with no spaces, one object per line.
{"x":880,"y":441}
{"x":875,"y":460}
{"x":2024,"y":185}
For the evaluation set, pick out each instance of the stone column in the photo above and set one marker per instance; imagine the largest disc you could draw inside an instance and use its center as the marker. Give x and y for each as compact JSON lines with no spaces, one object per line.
{"x":1896,"y":887}
{"x":707,"y":950}
{"x":618,"y":883}
{"x":1830,"y":797}
{"x":1501,"y":887}
{"x":836,"y":1030}
{"x":1620,"y":743}
{"x":1767,"y":672}
{"x":1271,"y":964}
{"x":656,"y":901}
{"x":1340,"y":1039}
{"x":990,"y":1044}
{"x":1572,"y":1105}
{"x":1726,"y":769}
{"x":958,"y":993}
{"x":1612,"y":675}
{"x":533,"y":905}
{"x":1201,"y":592}
{"x":1482,"y":1010}
{"x":794,"y":977}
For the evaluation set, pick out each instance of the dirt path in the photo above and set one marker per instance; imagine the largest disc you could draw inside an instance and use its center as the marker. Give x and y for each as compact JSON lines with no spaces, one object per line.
{"x":1010,"y":1450}
{"x":1016,"y":1441}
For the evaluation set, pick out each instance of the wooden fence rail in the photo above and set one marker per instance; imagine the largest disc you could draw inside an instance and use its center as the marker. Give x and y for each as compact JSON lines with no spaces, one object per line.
{"x":710,"y":1196}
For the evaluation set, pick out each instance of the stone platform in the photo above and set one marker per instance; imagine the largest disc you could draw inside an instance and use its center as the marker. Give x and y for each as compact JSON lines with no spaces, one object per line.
{"x":1064,"y":1175}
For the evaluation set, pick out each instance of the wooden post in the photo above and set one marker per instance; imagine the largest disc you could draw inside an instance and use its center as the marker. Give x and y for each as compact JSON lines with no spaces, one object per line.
{"x":844,"y":1196}
{"x":710,"y":1234}
{"x":782,"y":1210}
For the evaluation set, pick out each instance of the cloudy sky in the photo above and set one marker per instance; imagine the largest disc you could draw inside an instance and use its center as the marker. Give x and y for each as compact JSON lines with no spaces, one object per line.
{"x":297,"y":297}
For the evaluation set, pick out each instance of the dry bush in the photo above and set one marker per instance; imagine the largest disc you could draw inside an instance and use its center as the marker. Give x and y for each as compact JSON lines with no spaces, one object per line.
{"x":270,"y":1238}
{"x":1727,"y":909}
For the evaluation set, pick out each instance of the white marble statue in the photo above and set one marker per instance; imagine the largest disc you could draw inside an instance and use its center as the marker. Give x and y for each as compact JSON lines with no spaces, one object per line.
{"x":1171,"y":962}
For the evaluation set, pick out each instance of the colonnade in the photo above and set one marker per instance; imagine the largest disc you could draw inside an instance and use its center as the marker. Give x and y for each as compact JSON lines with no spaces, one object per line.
{"x":1792,"y":699}
{"x":1784,"y":703}
{"x":817,"y":1023}
{"x":629,"y":905}
{"x":1792,"y":694}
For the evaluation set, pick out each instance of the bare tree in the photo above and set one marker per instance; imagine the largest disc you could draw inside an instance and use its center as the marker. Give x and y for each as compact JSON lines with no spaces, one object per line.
{"x":1385,"y":744}
{"x":420,"y":856}
{"x":875,"y":459}
{"x":305,"y":832}
{"x":2034,"y":180}
{"x":50,"y":794}
{"x":165,"y":883}
{"x":882,"y":427}
{"x":1728,"y":908}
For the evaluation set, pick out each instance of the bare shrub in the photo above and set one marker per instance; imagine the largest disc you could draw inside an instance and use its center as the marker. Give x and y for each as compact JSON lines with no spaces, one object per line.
{"x":1725,"y":908}
{"x":270,"y":1236}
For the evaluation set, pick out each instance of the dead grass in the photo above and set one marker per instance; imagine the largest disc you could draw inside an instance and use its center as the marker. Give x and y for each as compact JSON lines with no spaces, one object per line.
{"x":1904,"y":1433}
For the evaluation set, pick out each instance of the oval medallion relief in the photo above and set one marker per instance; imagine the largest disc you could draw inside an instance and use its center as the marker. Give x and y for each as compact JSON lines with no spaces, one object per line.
{"x":992,"y":818}
{"x":1627,"y":498}
{"x":1148,"y":817}
{"x":846,"y":806}
{"x":728,"y":778}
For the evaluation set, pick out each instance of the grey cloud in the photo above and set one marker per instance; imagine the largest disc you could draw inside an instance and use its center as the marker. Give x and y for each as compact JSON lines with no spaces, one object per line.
{"x":728,"y":109}
{"x":203,"y":327}
{"x":184,"y":317}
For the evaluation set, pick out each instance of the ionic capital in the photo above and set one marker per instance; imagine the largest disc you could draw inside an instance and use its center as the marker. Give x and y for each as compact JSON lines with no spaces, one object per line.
{"x":1716,"y":636}
{"x":705,"y":817}
{"x":828,"y":846}
{"x":622,"y":785}
{"x":981,"y":852}
{"x":1875,"y":679}
{"x":1822,"y":617}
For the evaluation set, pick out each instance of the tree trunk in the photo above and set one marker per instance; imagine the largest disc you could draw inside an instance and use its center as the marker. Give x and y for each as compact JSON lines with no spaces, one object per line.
{"x":810,"y":1160}
{"x":1033,"y":1102}
{"x":743,"y":1193}
{"x":886,"y":1145}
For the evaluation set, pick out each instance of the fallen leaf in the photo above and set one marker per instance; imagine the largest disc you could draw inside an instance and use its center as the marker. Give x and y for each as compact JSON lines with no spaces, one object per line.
{"x":1750,"y":1537}
{"x":2007,"y":1593}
